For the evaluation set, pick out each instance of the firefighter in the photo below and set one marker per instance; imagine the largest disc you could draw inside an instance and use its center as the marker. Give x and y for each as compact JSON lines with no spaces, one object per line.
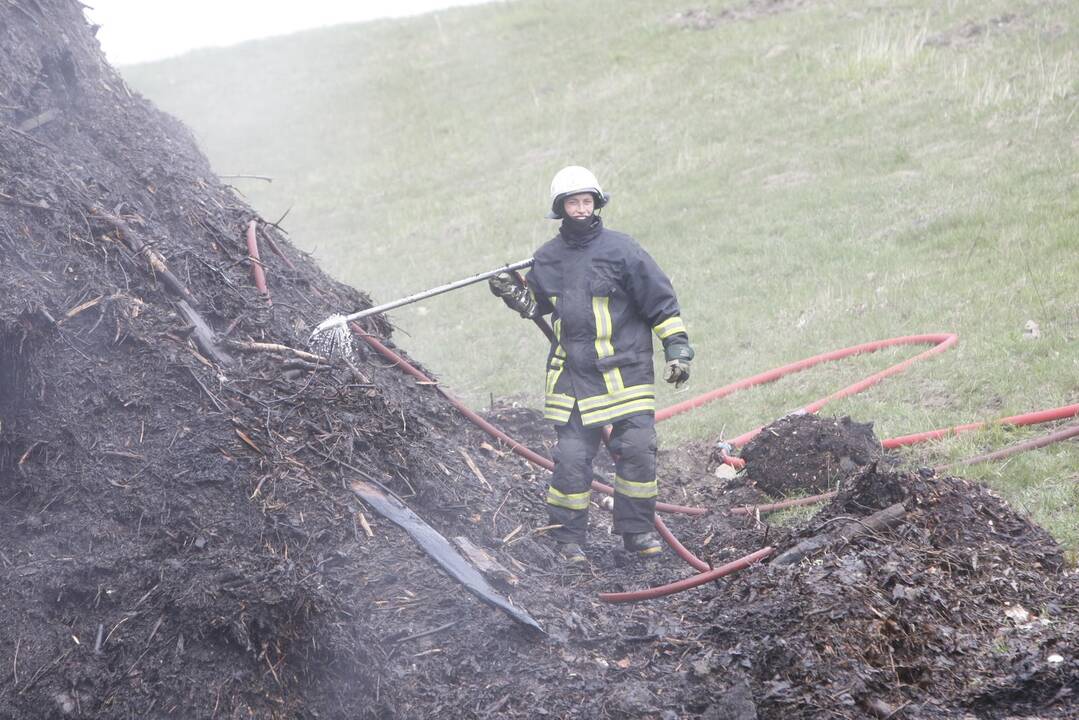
{"x":606,"y":297}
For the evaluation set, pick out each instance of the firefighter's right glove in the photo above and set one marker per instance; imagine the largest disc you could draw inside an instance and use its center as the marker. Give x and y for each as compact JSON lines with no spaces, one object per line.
{"x":678,"y":356}
{"x":514,"y":293}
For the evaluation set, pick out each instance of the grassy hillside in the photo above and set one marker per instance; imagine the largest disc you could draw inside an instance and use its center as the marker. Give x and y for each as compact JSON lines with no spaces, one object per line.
{"x":812,"y":175}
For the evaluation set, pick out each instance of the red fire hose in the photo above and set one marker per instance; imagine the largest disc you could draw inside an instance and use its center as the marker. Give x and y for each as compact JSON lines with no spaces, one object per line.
{"x":940,"y":341}
{"x":1034,"y":418}
{"x":690,"y":582}
{"x":527,"y":454}
{"x":257,"y":272}
{"x":943,"y":342}
{"x":1055,"y":437}
{"x":797,"y":502}
{"x":681,"y":550}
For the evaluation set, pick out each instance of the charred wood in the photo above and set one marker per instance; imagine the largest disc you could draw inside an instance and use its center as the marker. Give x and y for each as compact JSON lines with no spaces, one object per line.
{"x":878,"y":521}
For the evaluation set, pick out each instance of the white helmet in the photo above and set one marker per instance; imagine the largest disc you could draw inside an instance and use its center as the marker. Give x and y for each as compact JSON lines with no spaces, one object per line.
{"x":571,"y":181}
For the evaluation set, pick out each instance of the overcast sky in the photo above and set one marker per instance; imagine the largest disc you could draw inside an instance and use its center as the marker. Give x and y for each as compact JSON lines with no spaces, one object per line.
{"x":134,"y":31}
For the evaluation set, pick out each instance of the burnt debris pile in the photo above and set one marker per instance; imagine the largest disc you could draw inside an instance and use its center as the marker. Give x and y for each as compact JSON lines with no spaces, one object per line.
{"x":808,"y":454}
{"x":178,"y":536}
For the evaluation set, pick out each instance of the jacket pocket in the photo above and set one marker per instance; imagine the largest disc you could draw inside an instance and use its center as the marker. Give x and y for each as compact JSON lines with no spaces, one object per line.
{"x":618,"y":360}
{"x":604,"y":278}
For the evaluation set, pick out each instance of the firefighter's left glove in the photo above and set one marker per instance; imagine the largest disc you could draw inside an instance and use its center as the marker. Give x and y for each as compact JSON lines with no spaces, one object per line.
{"x":514,"y":293}
{"x":678,"y":357}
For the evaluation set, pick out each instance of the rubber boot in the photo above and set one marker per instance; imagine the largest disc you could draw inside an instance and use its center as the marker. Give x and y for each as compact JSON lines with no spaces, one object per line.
{"x":643,"y":545}
{"x":571,"y":554}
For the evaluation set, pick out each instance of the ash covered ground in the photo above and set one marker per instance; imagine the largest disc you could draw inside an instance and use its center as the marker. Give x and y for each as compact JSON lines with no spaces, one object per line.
{"x":178,"y":538}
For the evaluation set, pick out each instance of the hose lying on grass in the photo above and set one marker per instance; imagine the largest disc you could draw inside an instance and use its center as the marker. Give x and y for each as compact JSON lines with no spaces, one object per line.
{"x":943,"y":341}
{"x":940,"y":342}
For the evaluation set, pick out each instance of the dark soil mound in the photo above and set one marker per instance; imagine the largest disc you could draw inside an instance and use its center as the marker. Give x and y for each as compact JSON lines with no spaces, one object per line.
{"x":808,"y":454}
{"x":178,"y":538}
{"x":174,"y":536}
{"x":961,"y":606}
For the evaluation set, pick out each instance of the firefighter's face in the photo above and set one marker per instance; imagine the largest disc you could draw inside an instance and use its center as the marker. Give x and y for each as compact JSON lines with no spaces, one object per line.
{"x":579,"y":206}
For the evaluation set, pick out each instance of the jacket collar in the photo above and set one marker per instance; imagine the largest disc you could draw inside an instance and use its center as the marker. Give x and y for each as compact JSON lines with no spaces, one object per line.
{"x":578,"y":233}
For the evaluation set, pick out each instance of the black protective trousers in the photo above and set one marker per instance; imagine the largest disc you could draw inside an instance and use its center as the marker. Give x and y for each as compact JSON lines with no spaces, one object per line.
{"x":633,"y":448}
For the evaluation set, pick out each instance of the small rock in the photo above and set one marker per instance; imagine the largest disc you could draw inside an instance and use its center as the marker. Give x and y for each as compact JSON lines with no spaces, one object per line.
{"x":1031,"y":331}
{"x":735,"y":704}
{"x":65,"y":703}
{"x":773,"y":52}
{"x":632,"y":699}
{"x":725,"y":472}
{"x":1018,"y":613}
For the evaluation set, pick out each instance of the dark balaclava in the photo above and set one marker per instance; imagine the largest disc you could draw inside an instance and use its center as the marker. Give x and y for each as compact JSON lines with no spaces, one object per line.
{"x":580,"y":232}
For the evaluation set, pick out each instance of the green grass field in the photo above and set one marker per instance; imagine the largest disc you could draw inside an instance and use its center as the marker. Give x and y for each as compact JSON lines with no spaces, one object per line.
{"x":812,"y":177}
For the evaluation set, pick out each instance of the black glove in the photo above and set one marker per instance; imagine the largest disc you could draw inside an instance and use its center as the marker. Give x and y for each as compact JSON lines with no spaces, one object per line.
{"x":678,"y":355}
{"x":515,"y":294}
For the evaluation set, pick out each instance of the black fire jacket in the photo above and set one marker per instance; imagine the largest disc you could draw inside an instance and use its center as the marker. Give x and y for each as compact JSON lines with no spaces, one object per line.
{"x":606,"y":297}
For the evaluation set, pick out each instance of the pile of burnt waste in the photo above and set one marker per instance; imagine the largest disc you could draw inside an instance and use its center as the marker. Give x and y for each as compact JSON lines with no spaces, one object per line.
{"x":179,"y":537}
{"x":909,"y":594}
{"x":808,"y":454}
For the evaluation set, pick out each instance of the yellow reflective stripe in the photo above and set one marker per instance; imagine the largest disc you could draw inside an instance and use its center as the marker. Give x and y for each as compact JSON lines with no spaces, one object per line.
{"x":669,"y":327}
{"x":631,"y":393}
{"x":559,"y":352}
{"x":558,"y":407}
{"x":602,"y":310}
{"x":598,"y":417}
{"x":630,"y":488}
{"x":556,"y":415}
{"x":559,"y":400}
{"x":571,"y":501}
{"x":552,"y":377}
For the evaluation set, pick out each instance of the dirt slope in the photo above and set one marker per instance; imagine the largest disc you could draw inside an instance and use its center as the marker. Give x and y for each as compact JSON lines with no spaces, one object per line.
{"x":177,"y":537}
